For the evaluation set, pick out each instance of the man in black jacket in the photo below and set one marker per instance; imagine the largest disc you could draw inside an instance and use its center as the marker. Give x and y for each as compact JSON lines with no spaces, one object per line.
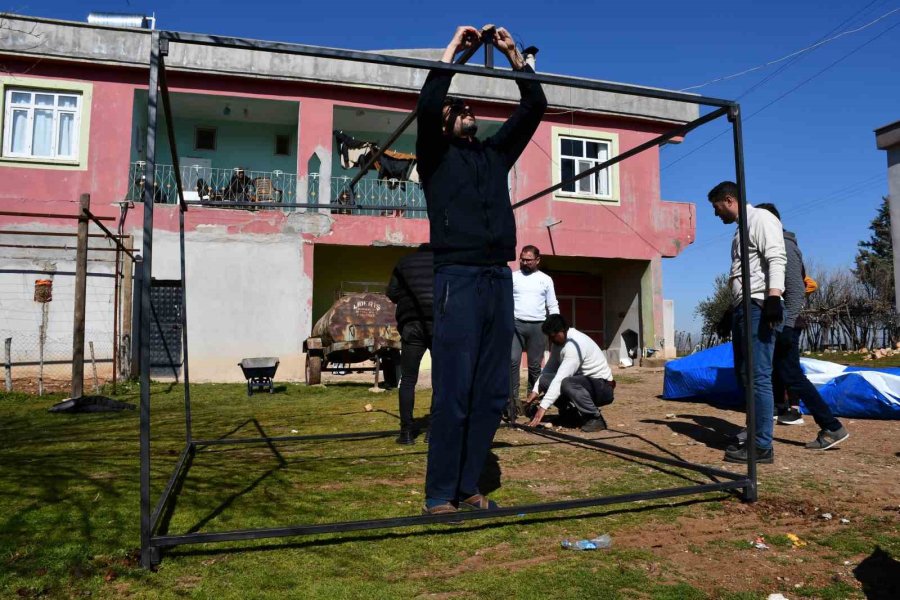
{"x":411,"y":289}
{"x":473,"y":236}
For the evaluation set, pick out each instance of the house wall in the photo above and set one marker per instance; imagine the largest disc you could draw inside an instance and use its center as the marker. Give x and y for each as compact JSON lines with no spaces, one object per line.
{"x":257,"y":280}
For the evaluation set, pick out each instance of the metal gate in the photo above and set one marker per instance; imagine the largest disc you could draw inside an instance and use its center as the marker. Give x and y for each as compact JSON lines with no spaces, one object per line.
{"x":165,"y":327}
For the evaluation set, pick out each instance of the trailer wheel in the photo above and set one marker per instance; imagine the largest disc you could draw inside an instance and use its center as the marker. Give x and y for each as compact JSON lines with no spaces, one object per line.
{"x":313,"y":369}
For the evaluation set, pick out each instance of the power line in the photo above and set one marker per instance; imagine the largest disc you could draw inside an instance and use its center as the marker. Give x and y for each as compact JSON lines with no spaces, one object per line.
{"x":784,"y":95}
{"x":792,"y":54}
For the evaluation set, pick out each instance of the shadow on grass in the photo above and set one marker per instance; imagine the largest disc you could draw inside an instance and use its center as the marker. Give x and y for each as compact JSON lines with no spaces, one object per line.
{"x":440,"y":530}
{"x":879,"y":575}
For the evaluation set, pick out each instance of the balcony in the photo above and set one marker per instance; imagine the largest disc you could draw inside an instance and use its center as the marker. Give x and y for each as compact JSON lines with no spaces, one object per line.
{"x":391,"y":198}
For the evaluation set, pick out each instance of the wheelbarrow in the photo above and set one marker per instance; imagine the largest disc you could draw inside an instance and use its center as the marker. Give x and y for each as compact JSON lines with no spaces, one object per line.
{"x":259,"y":373}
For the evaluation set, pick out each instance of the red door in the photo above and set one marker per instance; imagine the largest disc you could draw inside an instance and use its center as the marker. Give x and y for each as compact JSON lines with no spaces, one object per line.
{"x":580,"y":298}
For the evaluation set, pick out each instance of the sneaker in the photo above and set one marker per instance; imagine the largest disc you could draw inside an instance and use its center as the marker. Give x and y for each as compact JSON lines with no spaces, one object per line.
{"x":406,"y":437}
{"x":827,"y":439}
{"x":791,"y":416}
{"x":740,"y":455}
{"x":593,"y":424}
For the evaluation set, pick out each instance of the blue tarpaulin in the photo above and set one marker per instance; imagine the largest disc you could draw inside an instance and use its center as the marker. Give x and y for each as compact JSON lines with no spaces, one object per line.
{"x":855,"y":392}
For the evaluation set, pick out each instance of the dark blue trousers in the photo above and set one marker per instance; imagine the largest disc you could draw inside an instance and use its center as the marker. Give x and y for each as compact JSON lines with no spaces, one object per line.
{"x":473,"y":330}
{"x":788,"y":374}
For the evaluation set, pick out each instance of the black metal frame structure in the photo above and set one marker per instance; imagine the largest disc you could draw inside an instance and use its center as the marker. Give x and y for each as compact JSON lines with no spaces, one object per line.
{"x":152,"y":542}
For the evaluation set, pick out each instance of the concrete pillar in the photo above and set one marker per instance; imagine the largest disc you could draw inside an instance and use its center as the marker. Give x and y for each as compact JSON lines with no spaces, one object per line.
{"x":888,"y":138}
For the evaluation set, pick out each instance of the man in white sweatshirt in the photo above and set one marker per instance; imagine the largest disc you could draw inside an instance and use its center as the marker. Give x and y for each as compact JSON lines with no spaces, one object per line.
{"x":767,"y":260}
{"x":533,"y":299}
{"x":576,"y":376}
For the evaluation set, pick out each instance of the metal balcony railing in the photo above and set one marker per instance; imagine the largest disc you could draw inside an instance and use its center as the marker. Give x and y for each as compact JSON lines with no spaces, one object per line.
{"x":405,"y":198}
{"x":402,"y":198}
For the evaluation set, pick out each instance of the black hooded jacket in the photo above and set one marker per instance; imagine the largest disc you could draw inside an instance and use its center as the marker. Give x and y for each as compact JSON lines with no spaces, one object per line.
{"x":465,"y":182}
{"x":412,"y":289}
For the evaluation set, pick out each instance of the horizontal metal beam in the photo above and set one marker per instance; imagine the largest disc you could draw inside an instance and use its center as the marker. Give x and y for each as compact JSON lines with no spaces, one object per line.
{"x":44,"y":272}
{"x":332,"y":206}
{"x":296,"y":438}
{"x":163,"y":541}
{"x":35,"y":363}
{"x":10,"y":213}
{"x":677,"y":132}
{"x":418,"y":63}
{"x":44,"y":247}
{"x":54,"y":233}
{"x":595,"y":443}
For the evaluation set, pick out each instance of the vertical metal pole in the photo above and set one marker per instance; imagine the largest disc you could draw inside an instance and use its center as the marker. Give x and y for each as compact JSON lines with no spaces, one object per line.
{"x":7,"y":362}
{"x":489,"y":53}
{"x":146,"y":276}
{"x":734,"y":115}
{"x":80,"y":298}
{"x":184,"y":331}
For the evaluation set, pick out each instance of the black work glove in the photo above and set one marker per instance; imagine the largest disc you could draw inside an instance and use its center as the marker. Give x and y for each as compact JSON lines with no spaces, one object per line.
{"x":773,"y":310}
{"x":723,"y":327}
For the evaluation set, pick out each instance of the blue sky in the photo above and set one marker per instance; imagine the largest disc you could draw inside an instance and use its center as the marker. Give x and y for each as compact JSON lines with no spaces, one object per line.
{"x":811,"y":152}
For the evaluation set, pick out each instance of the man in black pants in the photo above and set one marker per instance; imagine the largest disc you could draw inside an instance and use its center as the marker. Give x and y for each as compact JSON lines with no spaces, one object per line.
{"x":473,"y":236}
{"x":411,"y":289}
{"x":787,"y":374}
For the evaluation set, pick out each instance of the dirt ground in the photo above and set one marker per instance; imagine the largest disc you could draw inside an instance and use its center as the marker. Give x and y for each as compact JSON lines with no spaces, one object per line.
{"x":857,"y":483}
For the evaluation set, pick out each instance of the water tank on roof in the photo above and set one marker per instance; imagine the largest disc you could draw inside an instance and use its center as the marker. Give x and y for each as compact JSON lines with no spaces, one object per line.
{"x":122,"y":20}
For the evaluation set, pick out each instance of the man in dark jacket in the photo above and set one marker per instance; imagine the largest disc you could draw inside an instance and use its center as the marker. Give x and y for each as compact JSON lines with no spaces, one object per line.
{"x":412,"y":288}
{"x":787,"y":374}
{"x":473,"y":236}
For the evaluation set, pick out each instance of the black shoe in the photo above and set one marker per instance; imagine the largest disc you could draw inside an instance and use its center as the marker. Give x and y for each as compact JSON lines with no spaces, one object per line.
{"x":740,"y":455}
{"x":406,"y":437}
{"x":597,"y":423}
{"x":791,"y":416}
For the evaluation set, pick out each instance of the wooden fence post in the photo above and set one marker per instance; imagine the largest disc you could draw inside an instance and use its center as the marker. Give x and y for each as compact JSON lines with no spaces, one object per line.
{"x":80,"y":298}
{"x":94,"y":368}
{"x":7,"y":355}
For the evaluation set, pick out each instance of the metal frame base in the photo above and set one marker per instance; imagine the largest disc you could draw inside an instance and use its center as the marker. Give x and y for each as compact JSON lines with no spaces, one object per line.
{"x":159,"y":542}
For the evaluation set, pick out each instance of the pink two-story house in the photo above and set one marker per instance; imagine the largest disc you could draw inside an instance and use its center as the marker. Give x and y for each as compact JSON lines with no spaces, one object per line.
{"x":74,"y":121}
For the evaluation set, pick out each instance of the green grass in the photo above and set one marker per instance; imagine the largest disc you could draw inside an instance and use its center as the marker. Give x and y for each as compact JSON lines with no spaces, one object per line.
{"x":69,"y":506}
{"x":856,"y":359}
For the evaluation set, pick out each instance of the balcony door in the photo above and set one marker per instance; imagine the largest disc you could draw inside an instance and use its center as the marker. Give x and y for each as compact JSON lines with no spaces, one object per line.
{"x":192,"y":170}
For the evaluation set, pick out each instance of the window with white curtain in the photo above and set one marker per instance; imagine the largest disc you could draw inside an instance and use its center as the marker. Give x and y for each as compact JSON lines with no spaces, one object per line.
{"x":41,"y":124}
{"x":579,"y":155}
{"x":576,"y":150}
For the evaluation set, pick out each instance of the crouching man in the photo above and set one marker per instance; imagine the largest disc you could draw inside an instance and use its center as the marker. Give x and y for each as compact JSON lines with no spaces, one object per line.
{"x":576,"y":377}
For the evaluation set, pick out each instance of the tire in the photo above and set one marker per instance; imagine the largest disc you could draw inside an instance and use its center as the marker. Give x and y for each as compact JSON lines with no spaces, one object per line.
{"x":313,"y":369}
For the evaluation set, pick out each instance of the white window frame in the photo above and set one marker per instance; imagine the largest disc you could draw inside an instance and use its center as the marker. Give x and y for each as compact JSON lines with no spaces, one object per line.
{"x":9,"y":109}
{"x":611,"y":140}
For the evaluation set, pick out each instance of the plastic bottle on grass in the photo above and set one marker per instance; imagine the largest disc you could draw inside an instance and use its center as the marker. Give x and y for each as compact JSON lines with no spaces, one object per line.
{"x":600,"y":542}
{"x":578,"y":545}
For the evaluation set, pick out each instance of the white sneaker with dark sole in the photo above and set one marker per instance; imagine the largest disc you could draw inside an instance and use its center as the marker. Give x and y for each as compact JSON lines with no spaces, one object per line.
{"x":790,"y":417}
{"x":828,"y":439}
